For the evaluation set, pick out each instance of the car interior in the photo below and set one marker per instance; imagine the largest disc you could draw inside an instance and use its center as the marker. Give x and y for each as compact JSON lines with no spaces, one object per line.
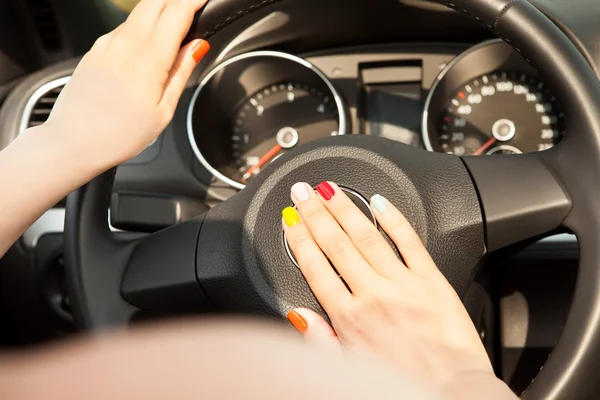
{"x":411,"y":75}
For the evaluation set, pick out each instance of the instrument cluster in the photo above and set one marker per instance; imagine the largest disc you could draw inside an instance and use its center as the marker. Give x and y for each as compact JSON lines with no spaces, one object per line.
{"x":252,"y":108}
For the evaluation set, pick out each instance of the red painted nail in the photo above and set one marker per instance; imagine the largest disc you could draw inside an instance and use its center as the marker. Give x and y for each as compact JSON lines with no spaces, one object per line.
{"x":325,"y":190}
{"x":200,"y":50}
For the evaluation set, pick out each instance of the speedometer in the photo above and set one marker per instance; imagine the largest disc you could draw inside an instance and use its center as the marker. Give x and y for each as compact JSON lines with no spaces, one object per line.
{"x":254,"y":107}
{"x":276,"y":119}
{"x":500,"y":113}
{"x":489,"y":101}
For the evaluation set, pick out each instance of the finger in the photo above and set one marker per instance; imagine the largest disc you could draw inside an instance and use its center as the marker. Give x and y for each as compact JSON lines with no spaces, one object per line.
{"x":401,"y":232}
{"x":182,"y":70}
{"x":117,"y":30}
{"x":111,"y":36}
{"x":363,"y":233}
{"x":173,"y":26}
{"x":315,"y":329}
{"x":142,"y":20}
{"x":332,"y":239}
{"x":322,"y":279}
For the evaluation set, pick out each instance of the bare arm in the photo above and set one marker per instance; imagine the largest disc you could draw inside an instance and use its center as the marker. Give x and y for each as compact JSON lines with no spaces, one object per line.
{"x":204,"y":360}
{"x":36,"y":171}
{"x":135,"y":75}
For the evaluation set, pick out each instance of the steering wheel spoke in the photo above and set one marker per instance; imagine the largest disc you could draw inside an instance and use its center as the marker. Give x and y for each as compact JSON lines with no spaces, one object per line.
{"x":94,"y":291}
{"x":161,"y":273}
{"x":520,"y":197}
{"x":126,"y":273}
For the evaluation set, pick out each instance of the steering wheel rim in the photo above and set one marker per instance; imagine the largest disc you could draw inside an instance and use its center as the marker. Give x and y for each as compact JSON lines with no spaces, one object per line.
{"x":566,"y":176}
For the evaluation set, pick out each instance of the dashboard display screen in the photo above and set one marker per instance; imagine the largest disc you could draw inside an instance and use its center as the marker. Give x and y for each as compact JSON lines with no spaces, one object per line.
{"x":394,"y":111}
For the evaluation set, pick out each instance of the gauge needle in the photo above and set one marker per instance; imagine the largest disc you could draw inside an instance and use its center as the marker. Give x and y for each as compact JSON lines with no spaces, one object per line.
{"x":485,"y":146}
{"x":270,"y":154}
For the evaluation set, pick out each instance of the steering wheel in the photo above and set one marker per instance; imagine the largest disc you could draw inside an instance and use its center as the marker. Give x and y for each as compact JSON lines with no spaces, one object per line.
{"x":233,"y":258}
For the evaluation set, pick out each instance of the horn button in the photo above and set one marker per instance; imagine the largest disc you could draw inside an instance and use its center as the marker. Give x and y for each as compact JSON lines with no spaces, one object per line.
{"x":359,"y":200}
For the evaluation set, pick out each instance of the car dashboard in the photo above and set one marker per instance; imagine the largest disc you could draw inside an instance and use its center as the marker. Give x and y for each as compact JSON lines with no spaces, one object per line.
{"x":408,"y":71}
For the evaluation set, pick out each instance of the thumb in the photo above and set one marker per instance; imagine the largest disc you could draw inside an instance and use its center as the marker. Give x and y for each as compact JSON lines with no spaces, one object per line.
{"x":315,"y":329}
{"x":189,"y":55}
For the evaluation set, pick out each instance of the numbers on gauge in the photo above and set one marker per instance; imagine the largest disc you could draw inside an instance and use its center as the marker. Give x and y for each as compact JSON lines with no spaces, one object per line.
{"x":475,"y":99}
{"x":548,"y":134}
{"x":487,"y":91}
{"x":465,"y":110}
{"x":505,"y":112}
{"x":276,"y":119}
{"x":291,"y":96}
{"x":459,"y":122}
{"x":504,"y":86}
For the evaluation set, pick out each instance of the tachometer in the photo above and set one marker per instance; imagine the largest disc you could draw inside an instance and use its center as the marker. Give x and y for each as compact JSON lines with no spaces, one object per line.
{"x":500,"y":113}
{"x":489,"y":101}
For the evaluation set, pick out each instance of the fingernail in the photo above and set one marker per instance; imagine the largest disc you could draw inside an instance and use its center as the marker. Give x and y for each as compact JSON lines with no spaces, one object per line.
{"x":298,"y":321}
{"x":379,"y":203}
{"x":325,"y":190}
{"x":300,"y":192}
{"x":200,"y":49}
{"x":290,"y":216}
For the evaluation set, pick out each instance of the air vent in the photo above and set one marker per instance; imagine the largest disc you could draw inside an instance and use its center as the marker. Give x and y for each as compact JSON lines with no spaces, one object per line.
{"x":39,"y":106}
{"x":46,"y":24}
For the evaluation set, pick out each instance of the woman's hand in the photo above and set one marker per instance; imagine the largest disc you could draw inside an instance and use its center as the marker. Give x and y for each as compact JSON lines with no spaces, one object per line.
{"x":120,"y":98}
{"x":407,"y":314}
{"x":126,"y":88}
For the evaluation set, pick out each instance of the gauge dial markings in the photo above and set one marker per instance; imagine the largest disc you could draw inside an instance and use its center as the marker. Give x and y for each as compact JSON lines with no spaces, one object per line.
{"x":289,"y":114}
{"x":468,"y":123}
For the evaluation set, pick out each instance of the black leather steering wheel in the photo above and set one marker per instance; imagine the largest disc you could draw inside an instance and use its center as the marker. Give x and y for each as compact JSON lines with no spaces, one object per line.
{"x":234,"y":259}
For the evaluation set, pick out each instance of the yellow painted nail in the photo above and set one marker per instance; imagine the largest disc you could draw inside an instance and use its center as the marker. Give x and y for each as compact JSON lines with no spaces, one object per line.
{"x":290,"y":216}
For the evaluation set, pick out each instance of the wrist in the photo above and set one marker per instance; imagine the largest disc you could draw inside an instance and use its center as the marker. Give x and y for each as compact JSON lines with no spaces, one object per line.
{"x":69,"y":162}
{"x":73,"y":154}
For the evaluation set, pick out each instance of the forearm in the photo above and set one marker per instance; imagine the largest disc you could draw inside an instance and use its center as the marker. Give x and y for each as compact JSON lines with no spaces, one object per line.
{"x":36,"y":171}
{"x":218,"y":359}
{"x":137,"y":99}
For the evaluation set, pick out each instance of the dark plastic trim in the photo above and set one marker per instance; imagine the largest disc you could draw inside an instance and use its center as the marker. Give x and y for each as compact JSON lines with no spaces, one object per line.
{"x":162,"y":271}
{"x":519,"y":196}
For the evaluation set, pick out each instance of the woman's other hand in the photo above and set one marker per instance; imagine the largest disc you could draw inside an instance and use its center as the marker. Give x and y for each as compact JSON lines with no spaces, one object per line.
{"x":406,"y":313}
{"x":125,"y":89}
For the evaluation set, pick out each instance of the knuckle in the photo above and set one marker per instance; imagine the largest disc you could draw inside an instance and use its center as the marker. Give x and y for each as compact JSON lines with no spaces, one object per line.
{"x":412,"y":243}
{"x":368,"y":240}
{"x":301,"y":240}
{"x":102,"y":41}
{"x":311,"y":211}
{"x":312,"y":269}
{"x":180,"y":6}
{"x":185,"y":70}
{"x":345,"y":210}
{"x":382,"y":302}
{"x":397,"y":226}
{"x":352,"y":313}
{"x":336,"y":246}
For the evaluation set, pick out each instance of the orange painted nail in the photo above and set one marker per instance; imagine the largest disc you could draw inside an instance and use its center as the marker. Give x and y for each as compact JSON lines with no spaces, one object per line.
{"x":200,"y":50}
{"x":298,"y":321}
